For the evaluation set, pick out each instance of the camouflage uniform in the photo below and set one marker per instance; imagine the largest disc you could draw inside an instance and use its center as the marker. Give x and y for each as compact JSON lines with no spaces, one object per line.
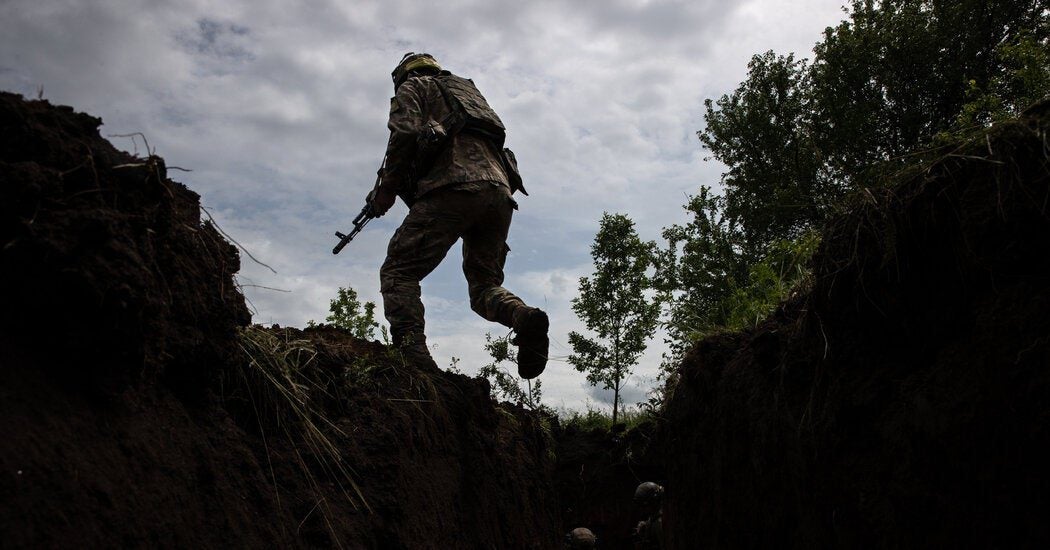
{"x":465,"y":194}
{"x":648,"y":533}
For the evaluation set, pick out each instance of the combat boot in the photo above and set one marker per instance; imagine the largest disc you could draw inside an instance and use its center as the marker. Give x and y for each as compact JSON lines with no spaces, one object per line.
{"x":414,"y":351}
{"x":418,"y":356}
{"x":530,"y":327}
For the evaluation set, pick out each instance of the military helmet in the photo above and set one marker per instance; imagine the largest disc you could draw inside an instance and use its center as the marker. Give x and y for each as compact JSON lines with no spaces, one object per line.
{"x":580,"y":538}
{"x":413,"y":62}
{"x":648,"y":494}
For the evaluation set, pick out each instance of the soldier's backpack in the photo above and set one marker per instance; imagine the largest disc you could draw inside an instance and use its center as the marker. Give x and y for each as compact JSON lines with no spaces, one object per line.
{"x":471,"y":113}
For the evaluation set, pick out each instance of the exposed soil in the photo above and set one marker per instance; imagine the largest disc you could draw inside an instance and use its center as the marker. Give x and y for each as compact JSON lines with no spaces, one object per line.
{"x":135,"y":415}
{"x":905,"y":400}
{"x":435,"y":462}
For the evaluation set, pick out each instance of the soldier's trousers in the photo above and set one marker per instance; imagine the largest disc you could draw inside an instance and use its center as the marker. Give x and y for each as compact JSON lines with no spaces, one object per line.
{"x":480,"y":215}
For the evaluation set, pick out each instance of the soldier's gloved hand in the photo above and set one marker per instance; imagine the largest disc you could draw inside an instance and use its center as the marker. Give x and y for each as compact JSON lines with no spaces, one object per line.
{"x":381,"y":200}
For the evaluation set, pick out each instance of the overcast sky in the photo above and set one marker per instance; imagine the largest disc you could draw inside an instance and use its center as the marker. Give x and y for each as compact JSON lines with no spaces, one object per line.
{"x":280,"y":107}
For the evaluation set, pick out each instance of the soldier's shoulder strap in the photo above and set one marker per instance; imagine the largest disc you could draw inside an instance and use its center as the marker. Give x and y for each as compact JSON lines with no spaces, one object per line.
{"x":464,"y":98}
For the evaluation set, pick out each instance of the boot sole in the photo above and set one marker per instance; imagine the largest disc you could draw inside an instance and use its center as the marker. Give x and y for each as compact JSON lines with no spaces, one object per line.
{"x":533,"y":345}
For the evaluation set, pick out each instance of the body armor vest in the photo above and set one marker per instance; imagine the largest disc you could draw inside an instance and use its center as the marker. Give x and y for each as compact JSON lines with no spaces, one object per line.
{"x":471,"y":111}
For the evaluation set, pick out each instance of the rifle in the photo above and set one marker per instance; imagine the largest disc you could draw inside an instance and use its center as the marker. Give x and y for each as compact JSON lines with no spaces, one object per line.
{"x":366,"y":215}
{"x":430,"y":139}
{"x":360,"y":222}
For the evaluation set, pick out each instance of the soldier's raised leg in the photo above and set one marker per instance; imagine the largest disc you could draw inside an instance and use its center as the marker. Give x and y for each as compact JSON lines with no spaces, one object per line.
{"x":484,"y":255}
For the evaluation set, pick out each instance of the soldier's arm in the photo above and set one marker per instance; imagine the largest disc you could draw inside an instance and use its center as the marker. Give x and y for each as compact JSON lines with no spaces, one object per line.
{"x":406,"y":120}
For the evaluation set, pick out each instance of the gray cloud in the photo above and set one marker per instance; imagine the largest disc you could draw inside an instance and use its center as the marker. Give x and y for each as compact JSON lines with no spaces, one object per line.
{"x":280,"y":110}
{"x":217,"y":39}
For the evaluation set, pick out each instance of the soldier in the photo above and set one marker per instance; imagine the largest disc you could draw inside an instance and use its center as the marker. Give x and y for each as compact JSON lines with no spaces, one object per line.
{"x":648,"y":499}
{"x":580,"y":538}
{"x":446,"y":161}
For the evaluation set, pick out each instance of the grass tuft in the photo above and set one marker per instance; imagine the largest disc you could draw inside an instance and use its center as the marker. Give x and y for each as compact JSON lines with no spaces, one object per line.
{"x":285,"y":395}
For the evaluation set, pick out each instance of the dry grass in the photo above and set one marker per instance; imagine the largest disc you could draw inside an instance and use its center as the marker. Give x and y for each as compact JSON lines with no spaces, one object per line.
{"x":284,"y":394}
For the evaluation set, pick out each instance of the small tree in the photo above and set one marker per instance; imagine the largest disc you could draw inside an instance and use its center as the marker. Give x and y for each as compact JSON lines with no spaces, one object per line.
{"x":699,"y":269}
{"x":506,"y":385}
{"x":613,"y":303}
{"x":348,"y":313}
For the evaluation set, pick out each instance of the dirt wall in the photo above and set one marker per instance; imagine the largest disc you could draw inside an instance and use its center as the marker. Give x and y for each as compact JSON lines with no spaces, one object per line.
{"x":905,"y":400}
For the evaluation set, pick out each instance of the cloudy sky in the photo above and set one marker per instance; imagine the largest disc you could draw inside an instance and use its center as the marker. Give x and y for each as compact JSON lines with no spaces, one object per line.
{"x":279,"y":108}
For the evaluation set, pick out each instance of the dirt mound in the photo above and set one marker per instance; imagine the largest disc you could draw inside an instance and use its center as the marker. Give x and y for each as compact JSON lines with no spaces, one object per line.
{"x":906,"y":400}
{"x":109,"y":271}
{"x":140,"y":410}
{"x":428,"y":460}
{"x":114,"y":294}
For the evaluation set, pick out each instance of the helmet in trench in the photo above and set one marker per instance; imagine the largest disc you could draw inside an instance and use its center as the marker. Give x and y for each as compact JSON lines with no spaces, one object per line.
{"x":648,"y":495}
{"x":581,"y":538}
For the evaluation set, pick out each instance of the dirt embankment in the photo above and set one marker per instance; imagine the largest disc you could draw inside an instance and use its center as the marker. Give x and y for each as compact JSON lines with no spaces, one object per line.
{"x":140,"y":410}
{"x":905,"y":401}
